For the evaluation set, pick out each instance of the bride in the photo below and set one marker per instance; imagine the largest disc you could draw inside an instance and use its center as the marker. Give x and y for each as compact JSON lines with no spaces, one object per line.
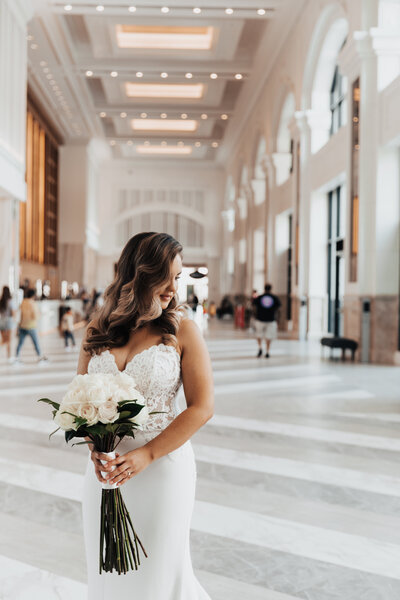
{"x":141,"y":331}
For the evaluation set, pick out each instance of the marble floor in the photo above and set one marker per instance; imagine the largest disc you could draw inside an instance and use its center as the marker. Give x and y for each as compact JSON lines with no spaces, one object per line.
{"x":298,"y":493}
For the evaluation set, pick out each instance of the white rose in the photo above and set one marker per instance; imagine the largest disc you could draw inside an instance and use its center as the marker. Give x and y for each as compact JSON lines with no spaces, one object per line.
{"x":73,"y":397}
{"x":89,"y":412}
{"x":125,"y":381}
{"x":108,"y":411}
{"x":65,"y":421}
{"x":141,"y":417}
{"x":95,"y":394}
{"x":77,"y":382}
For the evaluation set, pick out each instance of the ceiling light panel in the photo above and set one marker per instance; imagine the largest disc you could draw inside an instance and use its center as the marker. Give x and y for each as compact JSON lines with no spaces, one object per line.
{"x":164,"y":149}
{"x":164,"y":125}
{"x":164,"y":90}
{"x":164,"y":37}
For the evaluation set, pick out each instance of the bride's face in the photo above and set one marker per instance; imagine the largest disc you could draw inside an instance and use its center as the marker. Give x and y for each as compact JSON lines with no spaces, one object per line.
{"x":171,"y":287}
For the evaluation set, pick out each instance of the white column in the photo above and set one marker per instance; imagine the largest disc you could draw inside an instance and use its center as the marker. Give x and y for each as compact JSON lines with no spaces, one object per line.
{"x":368,"y":163}
{"x":14,"y":16}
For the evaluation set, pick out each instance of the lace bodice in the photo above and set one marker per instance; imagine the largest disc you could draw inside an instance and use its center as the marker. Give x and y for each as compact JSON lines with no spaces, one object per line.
{"x":157,"y":374}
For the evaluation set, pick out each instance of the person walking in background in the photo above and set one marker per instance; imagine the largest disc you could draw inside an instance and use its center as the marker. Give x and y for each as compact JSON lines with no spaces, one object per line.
{"x":266,"y":309}
{"x":28,"y":324}
{"x":67,"y":327}
{"x":7,"y":319}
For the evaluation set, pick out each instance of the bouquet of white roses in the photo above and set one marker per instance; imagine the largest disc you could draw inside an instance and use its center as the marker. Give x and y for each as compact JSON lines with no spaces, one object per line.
{"x":106,"y":408}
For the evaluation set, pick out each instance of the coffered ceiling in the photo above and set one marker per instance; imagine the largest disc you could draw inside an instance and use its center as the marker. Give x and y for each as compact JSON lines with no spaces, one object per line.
{"x":154,"y":79}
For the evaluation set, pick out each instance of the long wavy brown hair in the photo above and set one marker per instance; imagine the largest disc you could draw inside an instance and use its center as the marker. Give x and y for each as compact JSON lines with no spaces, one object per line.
{"x":132,"y":299}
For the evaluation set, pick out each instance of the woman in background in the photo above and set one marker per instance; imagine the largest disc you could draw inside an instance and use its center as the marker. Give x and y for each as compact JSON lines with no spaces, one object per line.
{"x":7,"y":319}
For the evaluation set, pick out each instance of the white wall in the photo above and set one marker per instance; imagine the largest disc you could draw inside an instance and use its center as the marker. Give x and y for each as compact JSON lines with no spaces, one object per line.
{"x":117,"y":175}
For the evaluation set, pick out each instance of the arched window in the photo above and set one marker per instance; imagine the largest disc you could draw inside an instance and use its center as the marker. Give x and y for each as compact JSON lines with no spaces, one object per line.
{"x":338,"y":101}
{"x":283,"y":158}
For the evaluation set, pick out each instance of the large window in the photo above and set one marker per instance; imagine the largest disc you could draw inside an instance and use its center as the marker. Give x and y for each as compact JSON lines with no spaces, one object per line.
{"x":289,"y":270}
{"x":354,"y":198}
{"x":336,"y":277}
{"x":38,"y":215}
{"x":338,"y":101}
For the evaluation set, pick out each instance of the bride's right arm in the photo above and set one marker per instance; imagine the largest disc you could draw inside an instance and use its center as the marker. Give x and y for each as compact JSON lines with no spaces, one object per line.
{"x":84,"y":357}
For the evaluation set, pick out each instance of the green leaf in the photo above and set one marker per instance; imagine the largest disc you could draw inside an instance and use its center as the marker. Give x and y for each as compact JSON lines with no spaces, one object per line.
{"x":53,"y":432}
{"x":131,"y":409}
{"x":69,"y":435}
{"x":80,"y":443}
{"x":48,"y":401}
{"x":97,"y":429}
{"x":78,"y":420}
{"x":124,"y":415}
{"x":132,"y":400}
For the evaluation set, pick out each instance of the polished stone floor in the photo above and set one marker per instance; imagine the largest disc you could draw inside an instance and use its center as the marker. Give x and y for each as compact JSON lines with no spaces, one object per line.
{"x":298,"y":493}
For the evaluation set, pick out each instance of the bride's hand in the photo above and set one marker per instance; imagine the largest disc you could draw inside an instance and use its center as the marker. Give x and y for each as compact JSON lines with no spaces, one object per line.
{"x":127,"y":465}
{"x":98,"y":465}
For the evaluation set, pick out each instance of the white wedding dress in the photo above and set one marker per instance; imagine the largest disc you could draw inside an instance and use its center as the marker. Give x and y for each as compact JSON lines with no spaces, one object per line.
{"x":160,"y":499}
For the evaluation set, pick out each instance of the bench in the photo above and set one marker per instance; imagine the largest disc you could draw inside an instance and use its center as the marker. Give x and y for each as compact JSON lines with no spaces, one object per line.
{"x":342,"y":343}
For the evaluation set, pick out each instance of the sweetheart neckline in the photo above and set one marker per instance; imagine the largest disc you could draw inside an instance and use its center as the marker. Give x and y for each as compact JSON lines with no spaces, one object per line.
{"x":139,"y":354}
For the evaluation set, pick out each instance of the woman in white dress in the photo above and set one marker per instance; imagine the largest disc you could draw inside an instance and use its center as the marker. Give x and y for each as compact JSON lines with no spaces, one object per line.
{"x":141,"y":331}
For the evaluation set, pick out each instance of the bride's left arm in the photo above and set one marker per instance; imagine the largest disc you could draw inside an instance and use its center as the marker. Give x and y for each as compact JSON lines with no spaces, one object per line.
{"x":199,"y":392}
{"x":198,"y":387}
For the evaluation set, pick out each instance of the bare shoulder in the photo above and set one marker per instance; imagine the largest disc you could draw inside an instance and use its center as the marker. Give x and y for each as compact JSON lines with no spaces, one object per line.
{"x":189,"y":335}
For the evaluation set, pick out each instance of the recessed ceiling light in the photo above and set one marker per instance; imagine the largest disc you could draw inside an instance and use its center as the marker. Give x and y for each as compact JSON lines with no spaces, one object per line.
{"x":189,"y":75}
{"x":164,"y":125}
{"x":213,"y":76}
{"x":132,"y":9}
{"x":197,"y":11}
{"x":163,"y":149}
{"x":100,"y":8}
{"x":204,"y":116}
{"x":29,"y":38}
{"x":112,"y":143}
{"x":103,"y":114}
{"x":164,"y":90}
{"x":89,"y":73}
{"x":43,"y":63}
{"x":139,"y":74}
{"x":129,"y":142}
{"x":67,"y":7}
{"x":165,"y":37}
{"x":229,"y":11}
{"x":114,"y":73}
{"x":224,"y":117}
{"x":214,"y":144}
{"x":123,"y":115}
{"x":181,"y":144}
{"x":165,"y":9}
{"x":34,"y":46}
{"x":164,"y":75}
{"x":183,"y":116}
{"x":163,"y":115}
{"x":198,"y":144}
{"x":143,"y":115}
{"x":238,"y":76}
{"x":163,"y":143}
{"x":261,"y":11}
